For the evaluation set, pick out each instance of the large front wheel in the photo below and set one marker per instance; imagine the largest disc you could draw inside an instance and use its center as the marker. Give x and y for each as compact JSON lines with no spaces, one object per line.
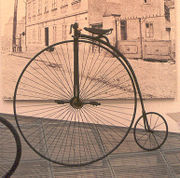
{"x":68,"y":130}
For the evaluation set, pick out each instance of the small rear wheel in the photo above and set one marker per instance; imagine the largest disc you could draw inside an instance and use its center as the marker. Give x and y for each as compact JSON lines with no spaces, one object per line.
{"x":154,"y":137}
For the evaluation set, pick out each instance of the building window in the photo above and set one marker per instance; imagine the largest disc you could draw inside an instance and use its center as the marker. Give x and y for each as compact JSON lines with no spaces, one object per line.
{"x":29,"y":36}
{"x":167,"y":13}
{"x":34,"y":8}
{"x":39,"y":7}
{"x":33,"y":35}
{"x":64,"y":3}
{"x":123,"y":26}
{"x":98,"y":26}
{"x":64,"y":32}
{"x":47,"y":36}
{"x":29,"y":11}
{"x":54,"y":33}
{"x":75,"y":2}
{"x":54,"y":4}
{"x":46,"y":6}
{"x":169,"y":33}
{"x":147,"y":1}
{"x":39,"y":34}
{"x":149,"y":30}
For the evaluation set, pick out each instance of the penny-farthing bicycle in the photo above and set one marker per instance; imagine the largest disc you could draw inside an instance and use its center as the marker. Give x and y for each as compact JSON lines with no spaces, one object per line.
{"x":79,"y":98}
{"x":10,"y":149}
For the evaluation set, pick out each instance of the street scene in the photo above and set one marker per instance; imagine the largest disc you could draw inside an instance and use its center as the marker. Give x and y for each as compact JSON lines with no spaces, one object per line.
{"x":148,"y":46}
{"x":156,"y":80}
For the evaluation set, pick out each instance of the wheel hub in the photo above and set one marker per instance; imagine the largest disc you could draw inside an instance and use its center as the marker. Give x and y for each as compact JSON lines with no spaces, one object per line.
{"x":76,"y":103}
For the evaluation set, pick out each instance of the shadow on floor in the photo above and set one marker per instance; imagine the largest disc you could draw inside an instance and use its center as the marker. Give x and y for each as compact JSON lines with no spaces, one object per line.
{"x":127,"y":161}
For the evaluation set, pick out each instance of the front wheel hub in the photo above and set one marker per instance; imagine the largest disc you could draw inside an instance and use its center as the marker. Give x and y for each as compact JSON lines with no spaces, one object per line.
{"x":76,"y":103}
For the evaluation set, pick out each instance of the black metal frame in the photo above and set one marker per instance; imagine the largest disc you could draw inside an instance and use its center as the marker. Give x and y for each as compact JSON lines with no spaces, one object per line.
{"x":101,"y":41}
{"x":78,"y":35}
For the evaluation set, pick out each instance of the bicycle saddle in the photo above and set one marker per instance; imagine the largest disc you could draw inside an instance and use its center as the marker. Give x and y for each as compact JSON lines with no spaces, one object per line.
{"x":98,"y":31}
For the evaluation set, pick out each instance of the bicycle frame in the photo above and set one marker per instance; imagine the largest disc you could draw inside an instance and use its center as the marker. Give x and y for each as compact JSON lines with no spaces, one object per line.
{"x":78,"y":35}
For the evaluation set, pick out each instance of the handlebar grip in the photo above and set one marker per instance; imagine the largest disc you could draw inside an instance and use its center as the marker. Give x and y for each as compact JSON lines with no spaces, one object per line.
{"x":73,"y":26}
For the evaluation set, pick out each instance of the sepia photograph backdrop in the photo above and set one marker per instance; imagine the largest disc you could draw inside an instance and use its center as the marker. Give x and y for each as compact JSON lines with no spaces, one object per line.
{"x":143,"y":30}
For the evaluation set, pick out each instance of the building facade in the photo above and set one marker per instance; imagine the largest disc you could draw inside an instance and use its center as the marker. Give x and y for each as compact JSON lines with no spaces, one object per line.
{"x":142,"y":28}
{"x":48,"y":21}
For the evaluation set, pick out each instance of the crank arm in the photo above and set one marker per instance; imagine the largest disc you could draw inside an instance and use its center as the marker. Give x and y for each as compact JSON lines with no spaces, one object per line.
{"x":61,"y":101}
{"x":94,"y":103}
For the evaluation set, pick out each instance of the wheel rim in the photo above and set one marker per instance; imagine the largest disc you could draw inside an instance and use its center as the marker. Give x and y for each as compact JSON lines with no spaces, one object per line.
{"x":10,"y":149}
{"x":68,"y":135}
{"x":155,"y":137}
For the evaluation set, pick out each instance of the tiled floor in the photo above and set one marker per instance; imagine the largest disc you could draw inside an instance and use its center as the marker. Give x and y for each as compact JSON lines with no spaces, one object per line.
{"x":128,"y":161}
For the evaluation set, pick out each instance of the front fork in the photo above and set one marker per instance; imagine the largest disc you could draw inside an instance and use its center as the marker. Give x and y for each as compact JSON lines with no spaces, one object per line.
{"x":146,"y":123}
{"x":145,"y":120}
